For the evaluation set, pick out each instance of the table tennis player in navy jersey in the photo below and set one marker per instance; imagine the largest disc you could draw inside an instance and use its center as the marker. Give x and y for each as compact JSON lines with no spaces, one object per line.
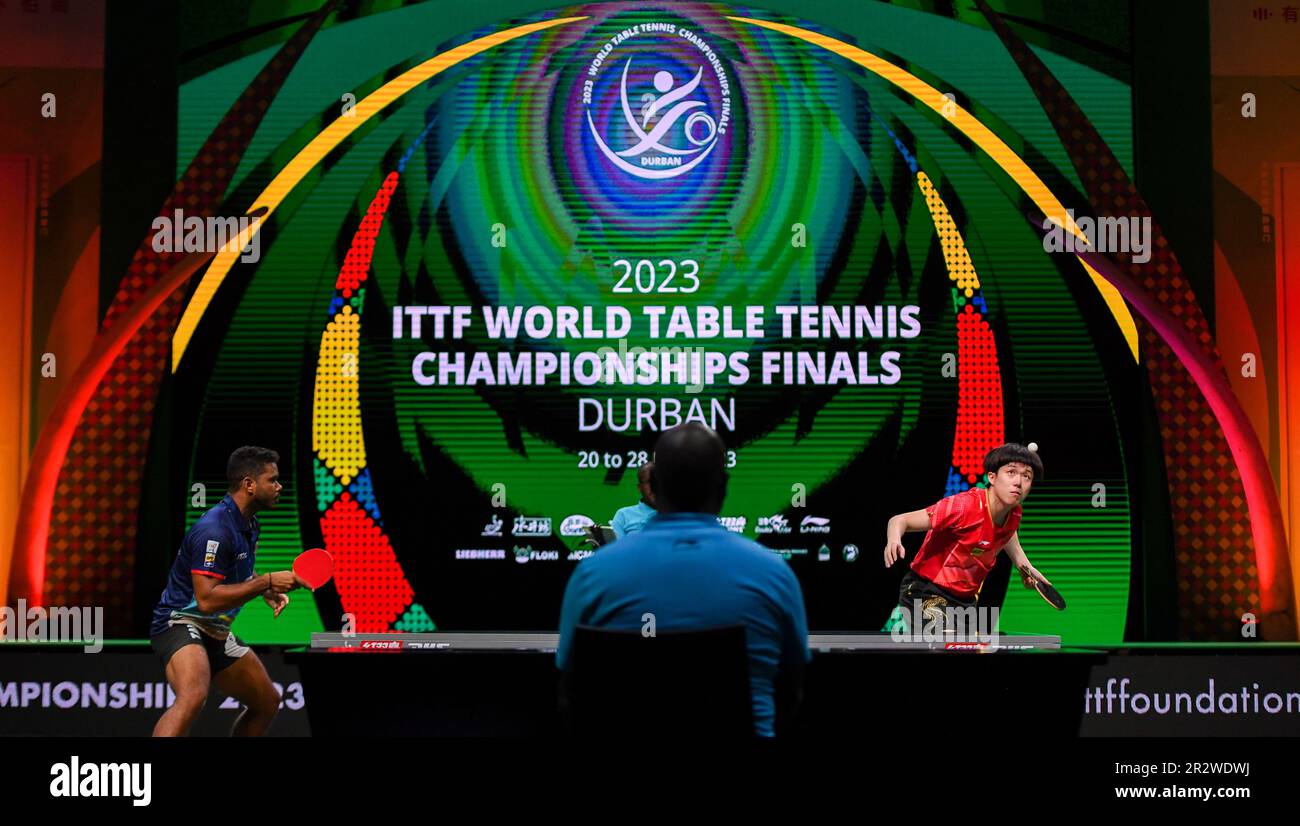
{"x":210,"y":581}
{"x":966,"y":532}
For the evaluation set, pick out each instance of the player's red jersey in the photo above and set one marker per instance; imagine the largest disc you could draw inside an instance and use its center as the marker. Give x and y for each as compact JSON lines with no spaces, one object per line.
{"x":963,"y":543}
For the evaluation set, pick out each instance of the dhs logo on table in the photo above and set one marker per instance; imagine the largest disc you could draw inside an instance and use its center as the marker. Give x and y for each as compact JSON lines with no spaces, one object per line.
{"x":656,"y":100}
{"x":735,"y":524}
{"x":381,"y":645}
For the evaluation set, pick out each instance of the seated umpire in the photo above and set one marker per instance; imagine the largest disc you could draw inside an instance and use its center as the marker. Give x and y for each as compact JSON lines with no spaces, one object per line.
{"x":633,"y":518}
{"x":692,"y":573}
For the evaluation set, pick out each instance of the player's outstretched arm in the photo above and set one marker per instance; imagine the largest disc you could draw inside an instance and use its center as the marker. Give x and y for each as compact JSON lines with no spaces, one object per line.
{"x":212,"y":595}
{"x":1029,"y":575}
{"x":898,"y":525}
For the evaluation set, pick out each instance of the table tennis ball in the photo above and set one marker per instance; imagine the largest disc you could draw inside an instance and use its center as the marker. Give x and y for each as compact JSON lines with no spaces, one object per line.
{"x":1033,"y":447}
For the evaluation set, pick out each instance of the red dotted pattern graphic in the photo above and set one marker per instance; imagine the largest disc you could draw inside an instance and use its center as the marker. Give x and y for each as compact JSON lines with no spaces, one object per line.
{"x":94,"y":517}
{"x":1213,"y":545}
{"x":980,"y":415}
{"x":369,"y":579}
{"x":356,"y":266}
{"x":377,"y":591}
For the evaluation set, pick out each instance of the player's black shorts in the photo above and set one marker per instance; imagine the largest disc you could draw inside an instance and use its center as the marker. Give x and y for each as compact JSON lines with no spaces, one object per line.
{"x":914,"y":587}
{"x":221,"y":655}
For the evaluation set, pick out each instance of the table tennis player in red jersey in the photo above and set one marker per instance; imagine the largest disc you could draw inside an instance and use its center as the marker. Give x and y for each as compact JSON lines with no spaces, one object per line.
{"x":965,"y":533}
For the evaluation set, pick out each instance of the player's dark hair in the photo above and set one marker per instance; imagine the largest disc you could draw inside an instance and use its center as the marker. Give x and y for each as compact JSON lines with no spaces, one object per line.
{"x":248,"y":461}
{"x":1012,"y":452}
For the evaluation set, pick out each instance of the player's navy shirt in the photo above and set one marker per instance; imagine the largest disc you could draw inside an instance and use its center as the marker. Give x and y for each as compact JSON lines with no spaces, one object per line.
{"x":692,"y":573}
{"x":221,"y":545}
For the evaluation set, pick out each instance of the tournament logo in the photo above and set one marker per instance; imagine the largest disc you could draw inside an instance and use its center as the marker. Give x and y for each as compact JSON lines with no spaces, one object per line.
{"x":667,"y":126}
{"x":656,"y":100}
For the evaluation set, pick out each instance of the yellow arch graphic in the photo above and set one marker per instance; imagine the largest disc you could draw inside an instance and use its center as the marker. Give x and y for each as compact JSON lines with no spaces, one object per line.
{"x":340,"y":129}
{"x":981,"y":135}
{"x":961,"y":269}
{"x":323,"y":144}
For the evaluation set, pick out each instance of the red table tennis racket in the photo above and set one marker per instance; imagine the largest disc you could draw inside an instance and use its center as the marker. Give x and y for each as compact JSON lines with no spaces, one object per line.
{"x":315,"y":567}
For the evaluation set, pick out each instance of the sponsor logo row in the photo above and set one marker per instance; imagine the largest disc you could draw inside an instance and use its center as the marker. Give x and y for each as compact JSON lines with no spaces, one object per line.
{"x":524,"y":554}
{"x":577,"y":524}
{"x":521,"y":554}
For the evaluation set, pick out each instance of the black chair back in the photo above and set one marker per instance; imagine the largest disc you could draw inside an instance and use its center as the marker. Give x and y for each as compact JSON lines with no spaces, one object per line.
{"x":675,"y":684}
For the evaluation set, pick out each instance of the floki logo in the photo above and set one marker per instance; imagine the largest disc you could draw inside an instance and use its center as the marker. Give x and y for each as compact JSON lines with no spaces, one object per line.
{"x":680,"y":115}
{"x":525,"y":553}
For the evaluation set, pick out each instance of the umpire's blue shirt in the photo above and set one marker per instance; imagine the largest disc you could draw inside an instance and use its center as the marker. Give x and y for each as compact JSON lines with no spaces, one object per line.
{"x":692,"y":573}
{"x":631,"y":519}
